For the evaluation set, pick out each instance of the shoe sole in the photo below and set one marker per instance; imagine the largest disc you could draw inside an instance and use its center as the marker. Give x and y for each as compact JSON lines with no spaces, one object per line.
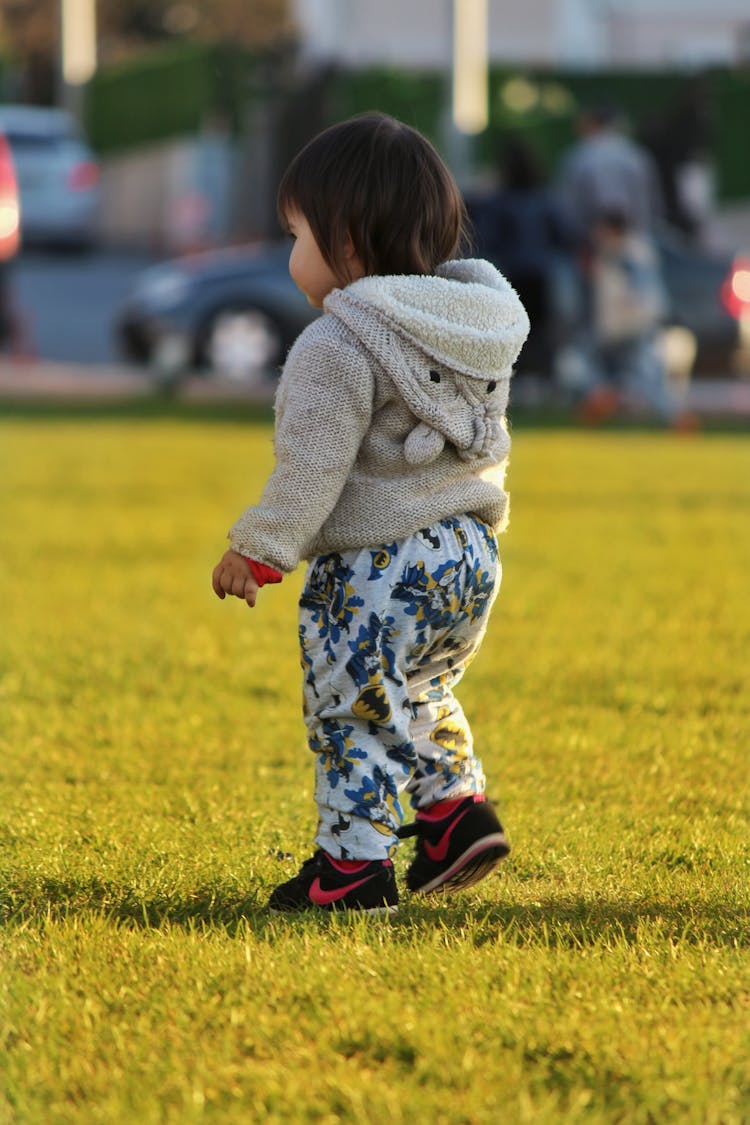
{"x":371,"y":911}
{"x":474,"y":864}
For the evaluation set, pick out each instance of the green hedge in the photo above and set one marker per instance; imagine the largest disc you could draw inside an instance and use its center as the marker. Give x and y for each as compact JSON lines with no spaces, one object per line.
{"x":645,"y":97}
{"x":172,"y":92}
{"x":418,"y":98}
{"x":549,"y":123}
{"x":165,"y":94}
{"x":732,"y":121}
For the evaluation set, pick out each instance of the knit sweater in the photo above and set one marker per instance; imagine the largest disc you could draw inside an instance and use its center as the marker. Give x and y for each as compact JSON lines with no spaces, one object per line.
{"x":390,"y":415}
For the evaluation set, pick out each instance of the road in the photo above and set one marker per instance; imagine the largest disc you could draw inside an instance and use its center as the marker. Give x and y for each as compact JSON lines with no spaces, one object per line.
{"x":68,"y":302}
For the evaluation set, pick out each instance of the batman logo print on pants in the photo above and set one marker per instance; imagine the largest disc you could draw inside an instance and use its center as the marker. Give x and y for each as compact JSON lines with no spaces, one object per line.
{"x":451,"y":736}
{"x":372,"y":704}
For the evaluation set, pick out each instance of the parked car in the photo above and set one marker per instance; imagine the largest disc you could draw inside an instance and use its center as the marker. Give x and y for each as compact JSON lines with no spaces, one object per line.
{"x":9,"y":236}
{"x":58,"y":176}
{"x":237,"y":311}
{"x":705,"y":296}
{"x":9,"y":204}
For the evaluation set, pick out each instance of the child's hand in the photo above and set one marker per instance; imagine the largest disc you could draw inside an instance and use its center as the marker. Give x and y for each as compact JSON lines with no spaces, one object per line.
{"x":233,"y":576}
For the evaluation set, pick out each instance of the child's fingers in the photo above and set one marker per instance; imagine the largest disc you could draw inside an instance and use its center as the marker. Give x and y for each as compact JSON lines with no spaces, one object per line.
{"x":230,"y":578}
{"x":216,"y":582}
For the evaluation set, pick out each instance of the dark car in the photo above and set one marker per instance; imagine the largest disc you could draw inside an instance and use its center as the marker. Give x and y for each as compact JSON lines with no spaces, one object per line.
{"x":234,"y":311}
{"x":705,"y":296}
{"x":237,"y":311}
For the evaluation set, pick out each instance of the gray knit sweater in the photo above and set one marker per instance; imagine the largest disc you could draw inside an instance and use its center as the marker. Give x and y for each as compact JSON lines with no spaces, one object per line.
{"x":390,"y":415}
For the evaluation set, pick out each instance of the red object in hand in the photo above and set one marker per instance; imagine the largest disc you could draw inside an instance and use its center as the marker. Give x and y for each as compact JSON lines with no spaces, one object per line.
{"x":261,"y":573}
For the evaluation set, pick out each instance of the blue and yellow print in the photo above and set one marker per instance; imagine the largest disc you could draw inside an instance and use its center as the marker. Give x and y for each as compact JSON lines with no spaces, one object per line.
{"x":373,"y":659}
{"x":337,"y":749}
{"x":385,"y":636}
{"x":381,"y":560}
{"x":331,"y":600}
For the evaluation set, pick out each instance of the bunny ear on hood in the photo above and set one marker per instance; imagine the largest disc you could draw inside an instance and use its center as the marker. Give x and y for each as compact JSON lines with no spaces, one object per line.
{"x":449,"y":342}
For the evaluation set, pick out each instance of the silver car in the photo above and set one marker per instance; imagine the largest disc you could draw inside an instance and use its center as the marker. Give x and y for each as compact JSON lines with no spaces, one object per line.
{"x":58,"y":176}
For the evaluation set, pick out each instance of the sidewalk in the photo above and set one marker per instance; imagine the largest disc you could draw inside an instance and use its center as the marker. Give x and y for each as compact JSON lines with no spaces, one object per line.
{"x":710,"y":398}
{"x":43,"y":381}
{"x":46,"y":381}
{"x":39,"y":380}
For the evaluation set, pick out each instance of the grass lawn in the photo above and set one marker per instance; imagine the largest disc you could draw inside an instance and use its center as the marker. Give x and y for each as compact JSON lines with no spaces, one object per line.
{"x":154,"y":783}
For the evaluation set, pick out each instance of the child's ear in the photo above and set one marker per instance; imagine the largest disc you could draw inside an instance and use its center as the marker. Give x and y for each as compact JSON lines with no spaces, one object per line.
{"x":349,"y":251}
{"x":353,"y":264}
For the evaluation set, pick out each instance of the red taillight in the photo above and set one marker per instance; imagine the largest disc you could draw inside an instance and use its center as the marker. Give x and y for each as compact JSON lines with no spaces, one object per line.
{"x":7,"y":170}
{"x":10,"y":233}
{"x":83,"y":176}
{"x":735,"y":292}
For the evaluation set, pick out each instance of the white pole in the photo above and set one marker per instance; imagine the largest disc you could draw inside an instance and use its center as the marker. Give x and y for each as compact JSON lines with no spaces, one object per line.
{"x":77,"y":41}
{"x":470,"y":113}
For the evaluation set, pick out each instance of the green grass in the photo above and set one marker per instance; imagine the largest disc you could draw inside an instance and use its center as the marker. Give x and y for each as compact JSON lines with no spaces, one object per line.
{"x":153,"y":778}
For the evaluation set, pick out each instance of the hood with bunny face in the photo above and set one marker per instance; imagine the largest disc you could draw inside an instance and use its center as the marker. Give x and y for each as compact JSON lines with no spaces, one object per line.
{"x":449,"y":343}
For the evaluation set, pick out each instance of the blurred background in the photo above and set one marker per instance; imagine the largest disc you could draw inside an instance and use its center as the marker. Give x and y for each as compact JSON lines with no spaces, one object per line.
{"x":144,"y":140}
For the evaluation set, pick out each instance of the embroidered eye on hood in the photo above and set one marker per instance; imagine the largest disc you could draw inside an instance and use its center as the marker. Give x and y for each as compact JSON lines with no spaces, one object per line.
{"x":449,"y":342}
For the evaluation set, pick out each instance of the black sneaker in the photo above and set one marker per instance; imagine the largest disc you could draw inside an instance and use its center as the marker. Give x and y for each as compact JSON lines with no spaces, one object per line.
{"x":368,"y":886}
{"x":458,"y":843}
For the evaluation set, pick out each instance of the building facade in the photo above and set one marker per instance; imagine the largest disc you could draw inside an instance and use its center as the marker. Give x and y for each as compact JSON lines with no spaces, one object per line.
{"x":570,"y":33}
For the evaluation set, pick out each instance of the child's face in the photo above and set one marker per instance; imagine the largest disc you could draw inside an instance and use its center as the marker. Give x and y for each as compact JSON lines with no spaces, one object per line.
{"x":309,"y":269}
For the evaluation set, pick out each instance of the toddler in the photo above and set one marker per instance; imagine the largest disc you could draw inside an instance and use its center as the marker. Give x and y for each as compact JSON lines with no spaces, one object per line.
{"x":625,"y":367}
{"x":391,"y":448}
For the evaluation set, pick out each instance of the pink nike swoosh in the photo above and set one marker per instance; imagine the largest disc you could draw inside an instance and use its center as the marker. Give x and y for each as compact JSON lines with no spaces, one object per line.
{"x":438,"y":852}
{"x":324,"y":898}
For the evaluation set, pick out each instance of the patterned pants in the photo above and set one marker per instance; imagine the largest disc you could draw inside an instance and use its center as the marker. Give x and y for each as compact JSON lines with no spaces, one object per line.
{"x":385,"y":636}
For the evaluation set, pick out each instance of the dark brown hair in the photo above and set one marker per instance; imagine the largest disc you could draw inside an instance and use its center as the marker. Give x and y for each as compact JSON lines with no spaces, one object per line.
{"x":385,"y":185}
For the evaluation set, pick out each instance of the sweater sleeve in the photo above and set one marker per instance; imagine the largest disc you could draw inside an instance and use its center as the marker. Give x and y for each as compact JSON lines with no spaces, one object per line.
{"x":323,"y":411}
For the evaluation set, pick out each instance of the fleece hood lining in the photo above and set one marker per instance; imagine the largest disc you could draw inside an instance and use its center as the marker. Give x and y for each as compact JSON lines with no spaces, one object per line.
{"x":467,"y":316}
{"x":448,"y":342}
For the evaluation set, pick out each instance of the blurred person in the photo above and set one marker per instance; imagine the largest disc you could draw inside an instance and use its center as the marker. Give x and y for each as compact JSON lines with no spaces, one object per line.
{"x":519,"y":227}
{"x":605,"y":174}
{"x":626,"y":369}
{"x":391,"y":447}
{"x":603,"y":165}
{"x":679,"y":135}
